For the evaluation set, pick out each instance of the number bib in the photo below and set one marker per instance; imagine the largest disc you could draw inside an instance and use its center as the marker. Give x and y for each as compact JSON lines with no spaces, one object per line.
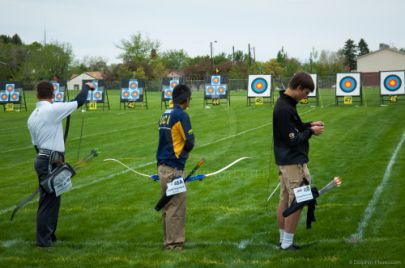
{"x":303,"y":193}
{"x":176,"y":186}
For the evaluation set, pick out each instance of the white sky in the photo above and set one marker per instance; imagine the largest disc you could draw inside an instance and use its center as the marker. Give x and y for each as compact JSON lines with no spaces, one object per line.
{"x":94,"y":28}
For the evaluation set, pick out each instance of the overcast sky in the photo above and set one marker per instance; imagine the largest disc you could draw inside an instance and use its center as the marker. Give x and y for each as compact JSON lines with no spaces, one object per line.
{"x":94,"y":28}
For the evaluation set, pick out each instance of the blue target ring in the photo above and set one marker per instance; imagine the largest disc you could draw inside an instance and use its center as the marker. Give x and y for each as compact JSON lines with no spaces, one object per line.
{"x":348,"y":84}
{"x":259,"y":85}
{"x":392,"y":82}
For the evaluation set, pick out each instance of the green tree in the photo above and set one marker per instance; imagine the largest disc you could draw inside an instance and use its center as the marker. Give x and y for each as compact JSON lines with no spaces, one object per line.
{"x":363,"y":47}
{"x":350,"y":51}
{"x":137,"y":50}
{"x":175,"y":59}
{"x":273,"y":67}
{"x":140,"y":73}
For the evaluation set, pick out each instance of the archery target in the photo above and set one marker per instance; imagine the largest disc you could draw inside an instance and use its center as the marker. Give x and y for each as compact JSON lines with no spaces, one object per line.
{"x":125,"y":94}
{"x":216,"y":80}
{"x":315,"y":79}
{"x":392,"y":83}
{"x":135,"y":94}
{"x":348,"y":84}
{"x":90,"y":95}
{"x":168,"y":93}
{"x":210,"y":90}
{"x":133,"y":84}
{"x":3,"y":96}
{"x":97,"y":95}
{"x":221,"y":90}
{"x":59,"y":96}
{"x":173,"y":83}
{"x":55,"y":86}
{"x":15,"y":96}
{"x":10,"y":87}
{"x":259,"y":86}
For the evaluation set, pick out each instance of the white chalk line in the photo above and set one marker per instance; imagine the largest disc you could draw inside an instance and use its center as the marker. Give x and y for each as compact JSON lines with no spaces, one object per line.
{"x":3,"y":211}
{"x":368,"y":213}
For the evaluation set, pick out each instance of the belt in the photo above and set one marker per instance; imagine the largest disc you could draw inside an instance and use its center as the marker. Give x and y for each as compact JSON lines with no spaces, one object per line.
{"x":46,"y":152}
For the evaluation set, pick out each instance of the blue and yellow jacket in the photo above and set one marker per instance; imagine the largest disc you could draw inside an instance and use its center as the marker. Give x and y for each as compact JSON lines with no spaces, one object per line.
{"x":176,"y":138}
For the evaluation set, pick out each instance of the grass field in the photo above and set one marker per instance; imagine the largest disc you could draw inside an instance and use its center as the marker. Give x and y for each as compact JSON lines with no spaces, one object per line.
{"x":108,"y":218}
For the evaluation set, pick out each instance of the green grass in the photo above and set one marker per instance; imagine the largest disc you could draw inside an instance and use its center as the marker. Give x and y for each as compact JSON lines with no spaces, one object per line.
{"x":108,"y":218}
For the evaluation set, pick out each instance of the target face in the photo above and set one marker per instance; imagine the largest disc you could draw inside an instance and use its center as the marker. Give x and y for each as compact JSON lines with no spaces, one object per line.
{"x":10,"y":87}
{"x":135,"y":94}
{"x":168,"y":93}
{"x":55,"y":86}
{"x":221,"y":90}
{"x":15,"y":96}
{"x":59,"y":96}
{"x":209,"y":90}
{"x":216,"y":80}
{"x":97,"y":95}
{"x":125,"y":94}
{"x":392,"y":83}
{"x":259,"y":86}
{"x":173,"y":83}
{"x":315,"y":79}
{"x":3,"y":97}
{"x":348,"y":84}
{"x":133,"y":84}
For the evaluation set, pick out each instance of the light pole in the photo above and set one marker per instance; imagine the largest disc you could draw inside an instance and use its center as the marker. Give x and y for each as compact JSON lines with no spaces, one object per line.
{"x":212,"y":58}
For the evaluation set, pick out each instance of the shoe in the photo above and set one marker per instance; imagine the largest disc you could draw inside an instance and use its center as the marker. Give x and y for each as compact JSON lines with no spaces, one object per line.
{"x":292,"y":247}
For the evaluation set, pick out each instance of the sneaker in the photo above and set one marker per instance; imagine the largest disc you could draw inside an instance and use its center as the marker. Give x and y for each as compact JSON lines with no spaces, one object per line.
{"x":292,"y":247}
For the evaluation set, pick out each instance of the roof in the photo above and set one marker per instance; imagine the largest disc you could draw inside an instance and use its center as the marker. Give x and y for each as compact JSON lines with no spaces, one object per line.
{"x":96,"y":75}
{"x":380,"y":50}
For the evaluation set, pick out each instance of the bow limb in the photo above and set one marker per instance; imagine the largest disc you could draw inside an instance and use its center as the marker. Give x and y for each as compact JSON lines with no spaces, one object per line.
{"x":129,"y":168}
{"x":228,"y":166}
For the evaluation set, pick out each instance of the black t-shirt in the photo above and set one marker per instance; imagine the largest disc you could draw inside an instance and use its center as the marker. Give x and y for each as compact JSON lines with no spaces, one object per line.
{"x":290,"y":134}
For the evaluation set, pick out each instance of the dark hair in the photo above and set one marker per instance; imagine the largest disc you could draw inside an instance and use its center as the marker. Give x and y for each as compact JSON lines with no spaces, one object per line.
{"x":181,"y":93}
{"x":44,"y":90}
{"x":302,"y":80}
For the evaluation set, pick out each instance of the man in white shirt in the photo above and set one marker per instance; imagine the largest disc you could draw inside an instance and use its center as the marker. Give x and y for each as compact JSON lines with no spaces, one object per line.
{"x":45,"y":126}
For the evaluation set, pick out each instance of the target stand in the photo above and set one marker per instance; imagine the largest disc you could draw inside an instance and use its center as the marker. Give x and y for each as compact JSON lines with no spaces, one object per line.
{"x":349,"y":89}
{"x":392,"y":87}
{"x":97,"y":97}
{"x":313,"y":97}
{"x":133,"y":94}
{"x":259,"y":89}
{"x":216,"y":91}
{"x":60,"y":91}
{"x":12,"y":95}
{"x":168,"y":84}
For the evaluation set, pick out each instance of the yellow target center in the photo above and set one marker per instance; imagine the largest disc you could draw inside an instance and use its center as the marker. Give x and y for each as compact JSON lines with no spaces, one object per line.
{"x":4,"y":97}
{"x":10,"y":88}
{"x":132,"y":85}
{"x":174,"y":85}
{"x":393,"y":82}
{"x":259,"y":85}
{"x":210,"y":90}
{"x":348,"y":84}
{"x":169,"y":93}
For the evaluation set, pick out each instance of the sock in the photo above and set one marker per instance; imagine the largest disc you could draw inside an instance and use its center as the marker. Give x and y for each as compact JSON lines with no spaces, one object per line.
{"x":287,"y":240}
{"x":281,"y":234}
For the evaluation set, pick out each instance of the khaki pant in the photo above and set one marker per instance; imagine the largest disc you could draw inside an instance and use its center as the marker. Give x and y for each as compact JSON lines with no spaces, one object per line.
{"x":292,"y":176}
{"x":174,"y":213}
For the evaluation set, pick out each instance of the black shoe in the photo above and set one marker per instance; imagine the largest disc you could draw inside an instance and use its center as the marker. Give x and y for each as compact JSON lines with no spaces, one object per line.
{"x":292,"y":247}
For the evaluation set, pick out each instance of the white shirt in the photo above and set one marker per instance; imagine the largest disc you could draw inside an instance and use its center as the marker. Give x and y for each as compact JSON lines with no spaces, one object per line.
{"x":45,"y":124}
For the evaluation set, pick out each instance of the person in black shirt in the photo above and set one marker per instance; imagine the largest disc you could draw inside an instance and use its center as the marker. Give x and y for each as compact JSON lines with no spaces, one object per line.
{"x":291,"y":149}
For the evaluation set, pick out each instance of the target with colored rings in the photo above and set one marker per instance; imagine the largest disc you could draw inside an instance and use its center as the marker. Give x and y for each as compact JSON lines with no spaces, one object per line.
{"x":135,"y":94}
{"x":173,"y":84}
{"x":348,"y":84}
{"x":97,"y":95}
{"x":392,"y":82}
{"x":133,"y":84}
{"x":216,"y":80}
{"x":55,"y":86}
{"x":14,"y":97}
{"x":259,"y":85}
{"x":210,"y":90}
{"x":221,"y":90}
{"x":59,"y":96}
{"x":10,"y":87}
{"x":125,"y":94}
{"x":168,"y":93}
{"x":4,"y":97}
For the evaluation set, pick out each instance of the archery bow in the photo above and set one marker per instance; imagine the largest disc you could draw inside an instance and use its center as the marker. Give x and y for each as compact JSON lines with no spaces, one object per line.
{"x":198,"y":177}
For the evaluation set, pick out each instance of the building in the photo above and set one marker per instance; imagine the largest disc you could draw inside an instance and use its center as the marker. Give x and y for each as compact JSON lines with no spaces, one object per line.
{"x":384,"y":59}
{"x":76,"y":81}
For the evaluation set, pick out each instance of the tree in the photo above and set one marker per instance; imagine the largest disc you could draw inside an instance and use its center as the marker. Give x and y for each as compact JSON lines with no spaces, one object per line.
{"x":174,"y":59}
{"x":349,"y":51}
{"x":16,"y":40}
{"x":137,"y":50}
{"x":273,"y":67}
{"x":363,"y":47}
{"x":281,"y":56}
